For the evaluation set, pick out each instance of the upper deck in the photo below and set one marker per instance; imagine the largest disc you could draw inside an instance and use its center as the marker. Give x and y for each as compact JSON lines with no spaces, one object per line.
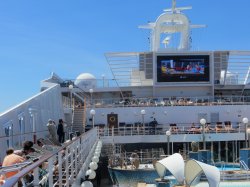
{"x":222,"y":70}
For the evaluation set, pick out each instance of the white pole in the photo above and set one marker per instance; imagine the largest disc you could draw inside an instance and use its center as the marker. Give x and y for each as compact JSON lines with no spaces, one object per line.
{"x":34,"y":127}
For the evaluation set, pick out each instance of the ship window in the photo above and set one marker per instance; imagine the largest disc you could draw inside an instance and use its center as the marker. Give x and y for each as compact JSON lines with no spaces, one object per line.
{"x":8,"y":130}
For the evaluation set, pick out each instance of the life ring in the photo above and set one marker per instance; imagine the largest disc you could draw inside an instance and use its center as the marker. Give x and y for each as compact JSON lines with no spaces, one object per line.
{"x":112,"y":119}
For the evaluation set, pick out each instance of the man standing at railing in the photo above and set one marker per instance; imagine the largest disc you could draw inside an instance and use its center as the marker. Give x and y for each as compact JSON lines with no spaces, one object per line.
{"x":60,"y":131}
{"x":154,"y":124}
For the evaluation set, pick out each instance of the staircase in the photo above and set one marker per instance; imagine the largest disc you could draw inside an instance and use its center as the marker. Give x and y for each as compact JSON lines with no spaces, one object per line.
{"x":78,"y":120}
{"x":110,"y":149}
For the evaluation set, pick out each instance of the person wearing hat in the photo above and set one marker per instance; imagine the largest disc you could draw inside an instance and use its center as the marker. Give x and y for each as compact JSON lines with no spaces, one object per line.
{"x":52,"y":131}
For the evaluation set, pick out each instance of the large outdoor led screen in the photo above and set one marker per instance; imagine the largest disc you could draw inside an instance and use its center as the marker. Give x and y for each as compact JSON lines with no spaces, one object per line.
{"x":188,"y":68}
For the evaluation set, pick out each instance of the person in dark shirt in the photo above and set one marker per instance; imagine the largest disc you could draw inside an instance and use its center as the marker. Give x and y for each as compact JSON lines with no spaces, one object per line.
{"x":153,"y":125}
{"x":60,"y":131}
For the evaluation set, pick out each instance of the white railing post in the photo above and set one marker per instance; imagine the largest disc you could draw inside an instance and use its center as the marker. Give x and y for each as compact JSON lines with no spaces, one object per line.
{"x":71,"y":163}
{"x":83,"y":151}
{"x":51,"y":165}
{"x":60,"y":168}
{"x":76,"y":156}
{"x":36,"y":177}
{"x":67,"y":166}
{"x":80,"y":151}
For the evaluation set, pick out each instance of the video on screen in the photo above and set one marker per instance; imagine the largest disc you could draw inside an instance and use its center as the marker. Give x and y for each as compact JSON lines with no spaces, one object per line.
{"x":191,"y":68}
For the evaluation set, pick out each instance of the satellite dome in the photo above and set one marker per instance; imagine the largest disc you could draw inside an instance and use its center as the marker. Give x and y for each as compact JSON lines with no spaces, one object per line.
{"x":85,"y":81}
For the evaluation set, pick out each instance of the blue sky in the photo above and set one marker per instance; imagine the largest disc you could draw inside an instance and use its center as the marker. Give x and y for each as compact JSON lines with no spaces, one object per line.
{"x":38,"y":37}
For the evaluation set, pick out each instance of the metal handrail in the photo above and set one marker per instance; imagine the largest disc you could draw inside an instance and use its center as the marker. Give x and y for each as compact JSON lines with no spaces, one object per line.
{"x":146,"y":156}
{"x":19,"y":134}
{"x":135,"y":131}
{"x":223,"y":166}
{"x":18,"y":166}
{"x":49,"y":157}
{"x":170,"y":101}
{"x":244,"y":165}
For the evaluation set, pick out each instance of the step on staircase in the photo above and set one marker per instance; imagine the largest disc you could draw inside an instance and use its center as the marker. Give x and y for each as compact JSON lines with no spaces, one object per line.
{"x":78,"y":120}
{"x":110,"y":149}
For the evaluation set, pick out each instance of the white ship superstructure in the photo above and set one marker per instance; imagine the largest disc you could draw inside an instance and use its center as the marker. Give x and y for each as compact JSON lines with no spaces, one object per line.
{"x":182,"y":89}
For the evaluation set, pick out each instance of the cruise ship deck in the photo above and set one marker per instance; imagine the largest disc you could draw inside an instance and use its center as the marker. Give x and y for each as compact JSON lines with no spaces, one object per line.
{"x":186,"y":104}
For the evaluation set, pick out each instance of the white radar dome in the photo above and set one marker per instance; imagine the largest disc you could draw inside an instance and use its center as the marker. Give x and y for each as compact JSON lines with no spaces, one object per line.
{"x":85,"y":81}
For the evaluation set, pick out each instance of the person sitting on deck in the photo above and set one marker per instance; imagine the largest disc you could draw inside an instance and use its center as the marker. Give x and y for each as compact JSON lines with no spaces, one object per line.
{"x":207,"y":127}
{"x":228,"y":126}
{"x":219,"y":127}
{"x":193,"y":129}
{"x":173,"y":128}
{"x":40,"y":143}
{"x":27,"y":148}
{"x":9,"y":160}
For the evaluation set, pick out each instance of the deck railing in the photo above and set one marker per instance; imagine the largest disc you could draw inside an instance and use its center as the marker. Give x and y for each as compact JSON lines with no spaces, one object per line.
{"x":61,"y":166}
{"x":170,"y":101}
{"x":161,"y":130}
{"x":144,"y":156}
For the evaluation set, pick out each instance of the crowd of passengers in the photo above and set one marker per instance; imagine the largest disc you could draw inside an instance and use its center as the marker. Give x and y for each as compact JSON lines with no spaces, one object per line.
{"x":159,"y":102}
{"x":30,"y":152}
{"x":25,"y":156}
{"x":196,"y":129}
{"x":172,"y":101}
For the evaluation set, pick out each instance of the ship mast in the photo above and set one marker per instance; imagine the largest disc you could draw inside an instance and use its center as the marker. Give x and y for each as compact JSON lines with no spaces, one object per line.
{"x":173,"y":5}
{"x":172,"y":21}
